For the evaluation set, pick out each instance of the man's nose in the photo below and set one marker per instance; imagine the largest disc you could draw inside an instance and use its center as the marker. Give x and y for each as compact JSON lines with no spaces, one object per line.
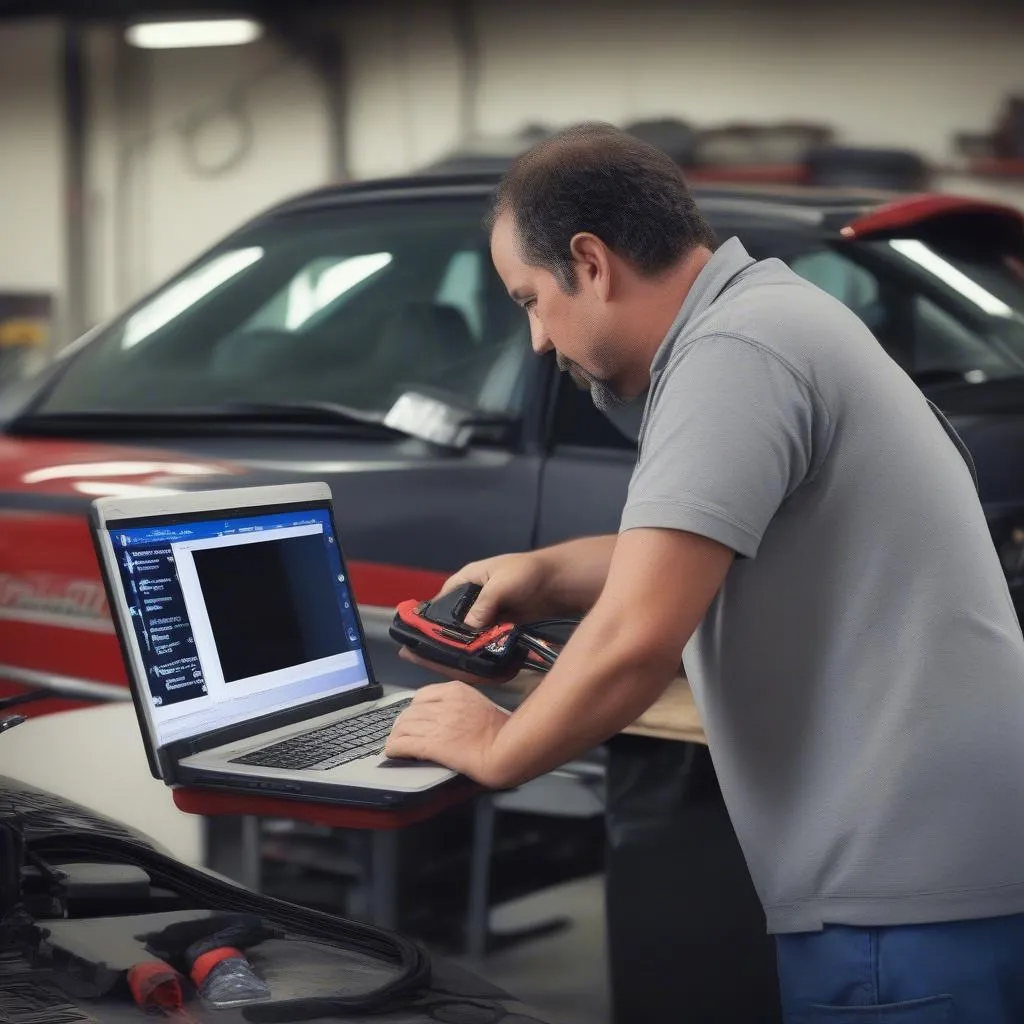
{"x":539,"y":339}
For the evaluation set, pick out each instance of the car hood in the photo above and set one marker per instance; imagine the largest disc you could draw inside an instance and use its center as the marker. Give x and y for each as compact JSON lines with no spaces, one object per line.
{"x":84,"y":470}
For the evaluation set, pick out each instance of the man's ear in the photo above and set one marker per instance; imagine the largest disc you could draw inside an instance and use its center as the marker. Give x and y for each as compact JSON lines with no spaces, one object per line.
{"x":593,"y":261}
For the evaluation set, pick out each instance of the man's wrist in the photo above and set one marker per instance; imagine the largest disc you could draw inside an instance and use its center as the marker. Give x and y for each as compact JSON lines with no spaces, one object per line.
{"x":494,"y":771}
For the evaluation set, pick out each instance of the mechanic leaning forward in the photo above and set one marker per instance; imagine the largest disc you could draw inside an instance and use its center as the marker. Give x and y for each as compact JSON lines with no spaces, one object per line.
{"x":808,"y":528}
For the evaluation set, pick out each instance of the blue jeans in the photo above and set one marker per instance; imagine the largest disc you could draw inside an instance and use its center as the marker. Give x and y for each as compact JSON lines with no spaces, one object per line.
{"x":961,"y":972}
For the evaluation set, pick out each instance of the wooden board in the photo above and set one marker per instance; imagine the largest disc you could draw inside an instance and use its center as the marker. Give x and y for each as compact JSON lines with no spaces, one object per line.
{"x":673,"y":716}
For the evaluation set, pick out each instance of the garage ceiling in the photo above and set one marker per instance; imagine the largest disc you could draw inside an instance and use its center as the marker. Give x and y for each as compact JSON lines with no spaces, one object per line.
{"x":125,"y":9}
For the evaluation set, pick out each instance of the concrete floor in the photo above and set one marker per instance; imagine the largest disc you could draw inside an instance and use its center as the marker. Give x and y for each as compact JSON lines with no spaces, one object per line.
{"x":563,"y":975}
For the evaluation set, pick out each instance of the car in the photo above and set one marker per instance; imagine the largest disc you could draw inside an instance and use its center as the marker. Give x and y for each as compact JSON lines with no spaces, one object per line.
{"x":359,"y":335}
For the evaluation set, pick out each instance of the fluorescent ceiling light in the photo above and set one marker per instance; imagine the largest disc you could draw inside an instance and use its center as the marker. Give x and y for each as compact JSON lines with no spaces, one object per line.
{"x":173,"y":35}
{"x":955,"y":278}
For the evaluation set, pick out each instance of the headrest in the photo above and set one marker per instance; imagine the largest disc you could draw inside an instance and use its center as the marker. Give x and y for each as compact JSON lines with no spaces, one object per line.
{"x":426,"y":332}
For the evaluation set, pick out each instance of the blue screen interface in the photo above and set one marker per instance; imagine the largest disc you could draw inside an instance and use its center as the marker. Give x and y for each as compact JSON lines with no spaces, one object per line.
{"x":238,"y":617}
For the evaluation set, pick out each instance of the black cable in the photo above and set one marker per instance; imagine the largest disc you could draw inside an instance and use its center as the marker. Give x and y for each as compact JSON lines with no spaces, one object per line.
{"x":25,"y":698}
{"x":411,"y":962}
{"x":557,"y":631}
{"x":539,"y":647}
{"x":550,"y":622}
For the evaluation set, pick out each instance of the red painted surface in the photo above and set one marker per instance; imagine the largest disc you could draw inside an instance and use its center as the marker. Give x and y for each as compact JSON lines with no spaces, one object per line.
{"x":47,"y":561}
{"x":388,"y":585}
{"x":53,"y":610}
{"x":213,"y":803}
{"x":919,"y":208}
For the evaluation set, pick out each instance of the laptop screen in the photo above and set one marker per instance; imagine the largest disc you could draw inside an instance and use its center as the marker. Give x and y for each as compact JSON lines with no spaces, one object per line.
{"x":238,"y":616}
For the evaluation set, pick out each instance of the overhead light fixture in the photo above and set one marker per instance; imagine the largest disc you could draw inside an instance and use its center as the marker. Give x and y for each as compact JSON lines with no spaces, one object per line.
{"x":177,"y":35}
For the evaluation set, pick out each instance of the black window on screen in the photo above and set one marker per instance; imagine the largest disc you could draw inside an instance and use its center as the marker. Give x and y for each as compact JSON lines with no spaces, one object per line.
{"x":272,"y":604}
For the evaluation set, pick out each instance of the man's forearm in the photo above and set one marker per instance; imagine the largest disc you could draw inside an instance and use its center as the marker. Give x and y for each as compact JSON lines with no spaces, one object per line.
{"x":577,"y":570}
{"x":603,"y":681}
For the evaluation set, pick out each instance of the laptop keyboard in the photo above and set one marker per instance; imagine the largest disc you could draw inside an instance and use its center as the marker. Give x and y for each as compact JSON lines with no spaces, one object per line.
{"x":348,"y":740}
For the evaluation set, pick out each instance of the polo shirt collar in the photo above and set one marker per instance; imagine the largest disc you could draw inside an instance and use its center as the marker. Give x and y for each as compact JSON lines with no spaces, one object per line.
{"x":728,"y":260}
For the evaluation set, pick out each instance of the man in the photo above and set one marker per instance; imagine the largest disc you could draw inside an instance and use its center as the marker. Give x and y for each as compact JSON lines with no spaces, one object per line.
{"x":806,"y":526}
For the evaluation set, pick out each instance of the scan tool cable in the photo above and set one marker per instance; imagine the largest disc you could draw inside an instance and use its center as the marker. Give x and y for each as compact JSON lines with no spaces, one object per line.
{"x":411,"y":963}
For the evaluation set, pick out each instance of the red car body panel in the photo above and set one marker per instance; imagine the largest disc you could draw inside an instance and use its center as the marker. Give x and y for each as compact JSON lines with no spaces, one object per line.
{"x":53,"y":609}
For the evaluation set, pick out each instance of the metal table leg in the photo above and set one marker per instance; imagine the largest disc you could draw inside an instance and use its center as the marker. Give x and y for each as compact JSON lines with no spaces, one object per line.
{"x":252,"y":854}
{"x":233,"y":849}
{"x":384,"y":878}
{"x":478,"y":913}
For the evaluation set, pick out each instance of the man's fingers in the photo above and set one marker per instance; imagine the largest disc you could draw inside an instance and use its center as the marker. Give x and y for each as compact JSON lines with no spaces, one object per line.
{"x":433,"y":692}
{"x":467,"y":574}
{"x":407,"y":655}
{"x":406,"y":746}
{"x":483,"y":612}
{"x":431,"y":666}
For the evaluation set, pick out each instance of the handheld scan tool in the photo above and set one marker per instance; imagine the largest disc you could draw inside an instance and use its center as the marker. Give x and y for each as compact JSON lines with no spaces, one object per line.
{"x":436,"y":630}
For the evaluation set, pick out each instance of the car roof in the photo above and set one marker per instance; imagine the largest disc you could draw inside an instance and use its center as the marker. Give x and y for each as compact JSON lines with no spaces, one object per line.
{"x":847,"y":214}
{"x":799,"y":206}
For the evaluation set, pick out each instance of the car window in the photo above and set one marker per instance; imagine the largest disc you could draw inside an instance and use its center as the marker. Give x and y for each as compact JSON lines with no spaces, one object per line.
{"x":925,"y":325}
{"x":941,"y":316}
{"x":317,"y":288}
{"x":579,"y":423}
{"x":464,"y":287}
{"x":349,"y":306}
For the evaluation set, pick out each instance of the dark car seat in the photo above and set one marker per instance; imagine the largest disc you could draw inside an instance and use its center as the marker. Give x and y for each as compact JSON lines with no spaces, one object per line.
{"x":421,"y":343}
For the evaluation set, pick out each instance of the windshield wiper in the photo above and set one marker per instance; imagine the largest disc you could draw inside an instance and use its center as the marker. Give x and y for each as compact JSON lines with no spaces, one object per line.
{"x":305,"y":411}
{"x":413,"y":415}
{"x":311,"y":412}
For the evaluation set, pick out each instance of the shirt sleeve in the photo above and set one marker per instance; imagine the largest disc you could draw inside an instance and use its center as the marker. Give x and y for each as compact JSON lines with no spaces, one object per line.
{"x":729,"y":436}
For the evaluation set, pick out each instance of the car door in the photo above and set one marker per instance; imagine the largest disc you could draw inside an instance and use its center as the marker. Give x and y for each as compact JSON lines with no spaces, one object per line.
{"x":587,"y":470}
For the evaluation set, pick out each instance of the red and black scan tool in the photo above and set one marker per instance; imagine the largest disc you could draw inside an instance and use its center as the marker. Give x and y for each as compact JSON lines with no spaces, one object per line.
{"x":436,"y":630}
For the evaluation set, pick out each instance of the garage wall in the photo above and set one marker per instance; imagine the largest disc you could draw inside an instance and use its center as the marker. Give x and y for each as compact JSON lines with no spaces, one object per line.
{"x":187,"y":145}
{"x":406,"y":78}
{"x":31,"y":158}
{"x":902,"y":74}
{"x":886,"y":74}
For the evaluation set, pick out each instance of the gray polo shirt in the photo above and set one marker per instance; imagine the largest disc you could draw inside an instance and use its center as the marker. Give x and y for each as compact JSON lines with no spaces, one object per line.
{"x":861,"y":673}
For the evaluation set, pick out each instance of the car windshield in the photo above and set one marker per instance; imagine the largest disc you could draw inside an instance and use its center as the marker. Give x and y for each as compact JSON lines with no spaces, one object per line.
{"x":943,"y":314}
{"x":349,"y":306}
{"x":355,"y":306}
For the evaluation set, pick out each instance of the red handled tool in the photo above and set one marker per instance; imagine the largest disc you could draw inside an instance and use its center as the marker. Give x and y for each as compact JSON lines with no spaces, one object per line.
{"x":436,"y":630}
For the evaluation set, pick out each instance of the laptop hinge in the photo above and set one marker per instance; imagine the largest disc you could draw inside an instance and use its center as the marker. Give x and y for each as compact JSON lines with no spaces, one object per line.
{"x":170,"y":754}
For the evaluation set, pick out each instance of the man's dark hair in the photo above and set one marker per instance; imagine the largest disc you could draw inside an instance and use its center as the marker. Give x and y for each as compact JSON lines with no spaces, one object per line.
{"x":597,"y":178}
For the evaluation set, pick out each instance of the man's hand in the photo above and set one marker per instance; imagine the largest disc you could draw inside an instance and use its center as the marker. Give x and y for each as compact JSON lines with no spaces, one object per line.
{"x":512,"y":588}
{"x":443,"y":670}
{"x":623,"y":655}
{"x":560,"y":581}
{"x":453,"y":725}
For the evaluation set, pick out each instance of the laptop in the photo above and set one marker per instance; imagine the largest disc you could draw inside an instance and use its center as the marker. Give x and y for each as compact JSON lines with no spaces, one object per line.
{"x":244,"y":649}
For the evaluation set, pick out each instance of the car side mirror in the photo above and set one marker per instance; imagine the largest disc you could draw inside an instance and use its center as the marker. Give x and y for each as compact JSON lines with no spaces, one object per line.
{"x":443,"y":423}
